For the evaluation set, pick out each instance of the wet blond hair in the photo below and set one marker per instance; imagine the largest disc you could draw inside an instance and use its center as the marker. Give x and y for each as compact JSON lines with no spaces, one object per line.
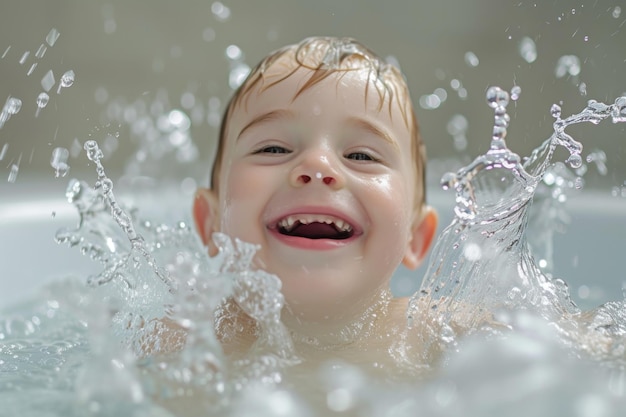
{"x":325,"y":56}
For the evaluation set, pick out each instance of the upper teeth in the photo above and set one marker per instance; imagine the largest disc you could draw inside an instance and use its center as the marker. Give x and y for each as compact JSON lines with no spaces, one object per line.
{"x":288,"y":222}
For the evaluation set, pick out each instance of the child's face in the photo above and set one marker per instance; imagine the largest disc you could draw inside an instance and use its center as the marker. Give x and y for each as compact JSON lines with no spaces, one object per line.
{"x":325,"y":184}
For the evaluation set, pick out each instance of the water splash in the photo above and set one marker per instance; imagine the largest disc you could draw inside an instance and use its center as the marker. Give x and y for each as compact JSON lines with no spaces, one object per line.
{"x":482,"y":264}
{"x":152,"y":319}
{"x":89,"y":204}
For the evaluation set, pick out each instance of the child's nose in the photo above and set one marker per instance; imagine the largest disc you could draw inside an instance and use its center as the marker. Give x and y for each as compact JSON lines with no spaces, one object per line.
{"x":317,"y":168}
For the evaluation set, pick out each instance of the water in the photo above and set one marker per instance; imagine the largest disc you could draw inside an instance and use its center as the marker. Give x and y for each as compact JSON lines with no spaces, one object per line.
{"x":513,"y":342}
{"x":502,"y":322}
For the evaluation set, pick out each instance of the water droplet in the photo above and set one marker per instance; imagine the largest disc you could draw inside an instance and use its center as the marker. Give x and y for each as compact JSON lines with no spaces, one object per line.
{"x":52,"y":37}
{"x":496,"y":97}
{"x":515,"y":92}
{"x":42,"y":100}
{"x":457,"y":125}
{"x":448,"y":180}
{"x":6,"y":51}
{"x":3,"y":151}
{"x":24,"y":57}
{"x":555,"y":111}
{"x":178,"y":120}
{"x":617,"y":11}
{"x":41,"y":51}
{"x":471,"y":59}
{"x":598,"y":157}
{"x":579,"y":183}
{"x":13,"y":105}
{"x":32,"y":68}
{"x":574,"y":160}
{"x":528,"y":49}
{"x":430,"y":101}
{"x":618,"y":110}
{"x":582,"y":89}
{"x":567,"y":65}
{"x":93,"y":151}
{"x":237,"y":75}
{"x":220,"y":11}
{"x":107,"y":185}
{"x":13,"y":173}
{"x":67,"y":79}
{"x":47,"y":81}
{"x":233,"y":52}
{"x":58,"y":161}
{"x":208,"y":34}
{"x":441,"y":93}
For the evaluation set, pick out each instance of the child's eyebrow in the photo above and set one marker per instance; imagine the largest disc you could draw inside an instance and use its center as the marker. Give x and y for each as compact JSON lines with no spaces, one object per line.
{"x":266,"y":117}
{"x":372,"y":128}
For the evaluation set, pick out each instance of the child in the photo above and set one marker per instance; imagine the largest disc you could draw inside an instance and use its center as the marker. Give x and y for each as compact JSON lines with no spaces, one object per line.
{"x":320,"y":163}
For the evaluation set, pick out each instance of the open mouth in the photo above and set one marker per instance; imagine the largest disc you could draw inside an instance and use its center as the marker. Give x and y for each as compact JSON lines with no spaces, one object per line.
{"x":315,"y":227}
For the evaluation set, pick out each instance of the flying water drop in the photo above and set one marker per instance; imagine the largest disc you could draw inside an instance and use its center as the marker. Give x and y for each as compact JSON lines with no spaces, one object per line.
{"x":52,"y":37}
{"x":515,"y":92}
{"x":58,"y":161}
{"x":528,"y":49}
{"x":41,"y":51}
{"x":497,"y":97}
{"x":598,"y":157}
{"x":47,"y":81}
{"x":13,"y":173}
{"x":24,"y":57}
{"x":67,"y":80}
{"x":457,"y":127}
{"x":11,"y":107}
{"x":471,"y":59}
{"x":567,"y":65}
{"x":617,"y":11}
{"x":220,"y":11}
{"x":42,"y":101}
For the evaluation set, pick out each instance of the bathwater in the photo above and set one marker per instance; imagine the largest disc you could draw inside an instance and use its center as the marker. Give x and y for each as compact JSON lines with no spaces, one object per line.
{"x":138,"y":337}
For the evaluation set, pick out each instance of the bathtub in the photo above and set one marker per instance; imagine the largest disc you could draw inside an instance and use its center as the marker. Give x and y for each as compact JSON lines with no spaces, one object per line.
{"x":588,"y":256}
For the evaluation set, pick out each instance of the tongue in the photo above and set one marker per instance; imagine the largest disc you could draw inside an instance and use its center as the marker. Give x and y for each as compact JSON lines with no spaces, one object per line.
{"x":315,"y":231}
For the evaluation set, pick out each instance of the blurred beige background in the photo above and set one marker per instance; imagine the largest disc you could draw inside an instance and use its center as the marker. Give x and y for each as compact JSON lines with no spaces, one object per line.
{"x":125,"y":52}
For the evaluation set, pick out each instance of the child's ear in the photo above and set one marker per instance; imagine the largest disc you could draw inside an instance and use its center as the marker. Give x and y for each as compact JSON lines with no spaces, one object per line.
{"x":421,"y":237}
{"x":206,"y":218}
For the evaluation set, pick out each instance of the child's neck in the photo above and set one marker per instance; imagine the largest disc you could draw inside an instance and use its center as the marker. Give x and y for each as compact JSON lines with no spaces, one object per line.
{"x":332,"y":333}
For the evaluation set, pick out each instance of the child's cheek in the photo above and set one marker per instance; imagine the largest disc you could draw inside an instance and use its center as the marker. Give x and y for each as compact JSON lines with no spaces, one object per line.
{"x":243,"y":200}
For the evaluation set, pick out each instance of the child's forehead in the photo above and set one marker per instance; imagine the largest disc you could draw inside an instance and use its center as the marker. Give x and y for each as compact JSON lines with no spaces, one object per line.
{"x":291,"y":87}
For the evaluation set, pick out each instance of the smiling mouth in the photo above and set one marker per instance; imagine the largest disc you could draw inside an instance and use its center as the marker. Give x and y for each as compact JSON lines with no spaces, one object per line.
{"x":315,"y":227}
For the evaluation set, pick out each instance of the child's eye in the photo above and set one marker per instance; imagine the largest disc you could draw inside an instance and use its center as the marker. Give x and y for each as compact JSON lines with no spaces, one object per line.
{"x":273,"y":149}
{"x":360,"y":156}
